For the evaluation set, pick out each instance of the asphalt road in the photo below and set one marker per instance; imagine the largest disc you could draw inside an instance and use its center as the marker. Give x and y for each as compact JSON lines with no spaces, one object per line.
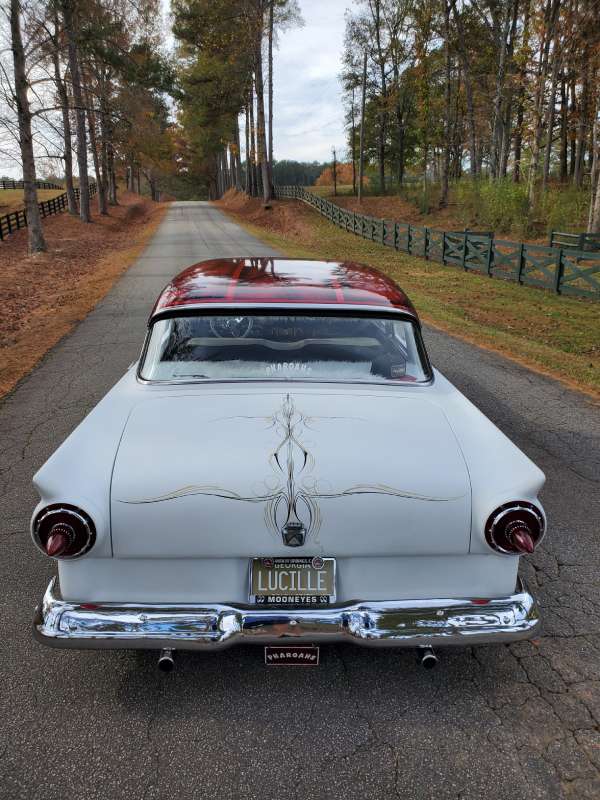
{"x":516,"y":722}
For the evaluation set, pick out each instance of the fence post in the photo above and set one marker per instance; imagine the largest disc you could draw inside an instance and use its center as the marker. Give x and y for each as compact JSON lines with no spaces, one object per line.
{"x":521,"y":266}
{"x":426,"y":243}
{"x":383,"y":231}
{"x":560,"y":268}
{"x":490,"y":254}
{"x":464,"y":252}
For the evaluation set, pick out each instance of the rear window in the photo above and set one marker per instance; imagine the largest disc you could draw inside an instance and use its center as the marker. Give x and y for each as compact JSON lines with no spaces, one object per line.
{"x":291,"y":347}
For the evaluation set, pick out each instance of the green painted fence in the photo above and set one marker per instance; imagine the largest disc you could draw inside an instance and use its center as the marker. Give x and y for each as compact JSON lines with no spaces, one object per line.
{"x":564,"y":270}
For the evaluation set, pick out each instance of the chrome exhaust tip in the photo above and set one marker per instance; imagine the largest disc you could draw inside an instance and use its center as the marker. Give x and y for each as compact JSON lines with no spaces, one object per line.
{"x":166,"y":660}
{"x":427,"y":658}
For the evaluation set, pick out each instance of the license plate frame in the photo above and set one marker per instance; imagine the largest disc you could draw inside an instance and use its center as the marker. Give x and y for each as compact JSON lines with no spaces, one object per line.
{"x":311,"y":565}
{"x":294,"y":655}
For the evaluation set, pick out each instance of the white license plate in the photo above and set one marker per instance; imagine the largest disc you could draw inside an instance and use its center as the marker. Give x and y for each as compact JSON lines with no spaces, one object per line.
{"x":284,"y":582}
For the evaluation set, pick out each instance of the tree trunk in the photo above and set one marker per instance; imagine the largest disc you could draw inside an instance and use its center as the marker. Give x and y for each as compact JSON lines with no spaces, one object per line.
{"x":507,"y":116}
{"x":104,"y":135}
{"x":270,"y":89}
{"x":248,"y":182}
{"x":498,"y":94}
{"x":550,"y":16}
{"x":113,"y":200}
{"x":260,"y":120}
{"x":383,"y":114}
{"x":564,"y":131}
{"x":253,"y":171}
{"x":84,"y":189}
{"x":334,"y":173}
{"x":102,"y":205}
{"x":353,"y":143}
{"x":582,"y":123}
{"x":594,"y":216}
{"x":549,"y":119}
{"x":63,"y":97}
{"x":447,"y":106}
{"x":361,"y":146}
{"x":35,"y":233}
{"x":473,"y":155}
{"x":237,"y":156}
{"x":572,"y":145}
{"x":518,"y":141}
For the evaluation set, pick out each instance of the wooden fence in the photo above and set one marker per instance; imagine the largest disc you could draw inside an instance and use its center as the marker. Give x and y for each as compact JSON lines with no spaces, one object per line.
{"x":562,"y":269}
{"x":10,"y":184}
{"x":575,"y":241}
{"x":10,"y":223}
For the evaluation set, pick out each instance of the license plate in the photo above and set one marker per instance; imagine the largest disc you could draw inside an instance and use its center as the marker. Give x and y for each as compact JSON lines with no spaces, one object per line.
{"x":294,"y":655}
{"x":292,"y":581}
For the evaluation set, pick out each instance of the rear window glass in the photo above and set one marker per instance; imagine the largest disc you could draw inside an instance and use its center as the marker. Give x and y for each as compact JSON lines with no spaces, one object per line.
{"x":294,"y":347}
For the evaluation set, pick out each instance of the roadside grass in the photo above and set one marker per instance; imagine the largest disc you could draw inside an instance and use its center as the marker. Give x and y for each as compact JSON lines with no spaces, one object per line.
{"x":554,"y":335}
{"x":12,"y":199}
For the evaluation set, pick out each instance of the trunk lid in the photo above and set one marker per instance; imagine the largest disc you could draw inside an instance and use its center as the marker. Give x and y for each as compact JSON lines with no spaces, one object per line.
{"x":229,"y":475}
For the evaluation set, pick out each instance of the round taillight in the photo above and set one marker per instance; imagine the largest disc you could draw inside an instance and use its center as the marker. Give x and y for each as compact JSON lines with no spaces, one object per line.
{"x":515,"y":528}
{"x":64,"y":531}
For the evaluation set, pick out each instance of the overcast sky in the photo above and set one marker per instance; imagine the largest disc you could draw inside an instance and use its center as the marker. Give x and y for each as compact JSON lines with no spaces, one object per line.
{"x":308,"y":116}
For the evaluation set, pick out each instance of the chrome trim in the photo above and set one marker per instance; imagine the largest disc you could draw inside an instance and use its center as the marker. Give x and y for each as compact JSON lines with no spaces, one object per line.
{"x":72,"y":511}
{"x":412,"y":385}
{"x":510,"y":508}
{"x":272,"y":308}
{"x":393,"y":623}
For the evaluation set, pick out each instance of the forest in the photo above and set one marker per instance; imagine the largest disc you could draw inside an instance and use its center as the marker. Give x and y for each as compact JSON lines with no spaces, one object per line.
{"x":91,"y":86}
{"x":463,"y":101}
{"x":503,"y":95}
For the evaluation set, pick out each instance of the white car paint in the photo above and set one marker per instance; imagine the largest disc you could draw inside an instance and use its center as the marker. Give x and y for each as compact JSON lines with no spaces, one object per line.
{"x":431,"y":467}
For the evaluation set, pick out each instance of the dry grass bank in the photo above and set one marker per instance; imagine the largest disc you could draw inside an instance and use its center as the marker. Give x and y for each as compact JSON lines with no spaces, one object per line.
{"x":12,"y":199}
{"x":43,"y":296}
{"x":557,"y":336}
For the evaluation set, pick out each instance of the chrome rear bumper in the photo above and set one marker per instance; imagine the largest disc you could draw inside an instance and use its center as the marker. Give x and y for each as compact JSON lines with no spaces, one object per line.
{"x":394,"y":623}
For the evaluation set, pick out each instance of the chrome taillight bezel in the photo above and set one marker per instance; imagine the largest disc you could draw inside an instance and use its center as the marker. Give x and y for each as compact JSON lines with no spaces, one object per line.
{"x":58,"y":512}
{"x":533,"y":518}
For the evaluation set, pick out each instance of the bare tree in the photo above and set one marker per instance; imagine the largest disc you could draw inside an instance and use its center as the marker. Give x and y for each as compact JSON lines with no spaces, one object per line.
{"x":37,"y":243}
{"x":448,"y":106}
{"x":63,"y":98}
{"x":261,"y":141}
{"x":361,"y":146}
{"x":68,"y":9}
{"x":270,"y":85}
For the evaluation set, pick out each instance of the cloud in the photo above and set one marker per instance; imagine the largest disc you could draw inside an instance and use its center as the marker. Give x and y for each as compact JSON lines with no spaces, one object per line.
{"x":308,"y":114}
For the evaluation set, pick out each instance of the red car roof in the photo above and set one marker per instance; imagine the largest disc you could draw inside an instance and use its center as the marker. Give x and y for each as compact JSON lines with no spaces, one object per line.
{"x":268,"y":281}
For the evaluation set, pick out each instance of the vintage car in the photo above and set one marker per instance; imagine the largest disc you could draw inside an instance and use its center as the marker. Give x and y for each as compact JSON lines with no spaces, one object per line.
{"x":284,"y":467}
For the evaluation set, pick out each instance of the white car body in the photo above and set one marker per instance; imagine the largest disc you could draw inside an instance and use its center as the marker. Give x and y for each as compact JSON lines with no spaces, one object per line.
{"x":186,"y":482}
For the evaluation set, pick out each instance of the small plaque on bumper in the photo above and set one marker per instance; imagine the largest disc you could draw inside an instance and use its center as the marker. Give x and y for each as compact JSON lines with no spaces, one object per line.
{"x":294,"y":655}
